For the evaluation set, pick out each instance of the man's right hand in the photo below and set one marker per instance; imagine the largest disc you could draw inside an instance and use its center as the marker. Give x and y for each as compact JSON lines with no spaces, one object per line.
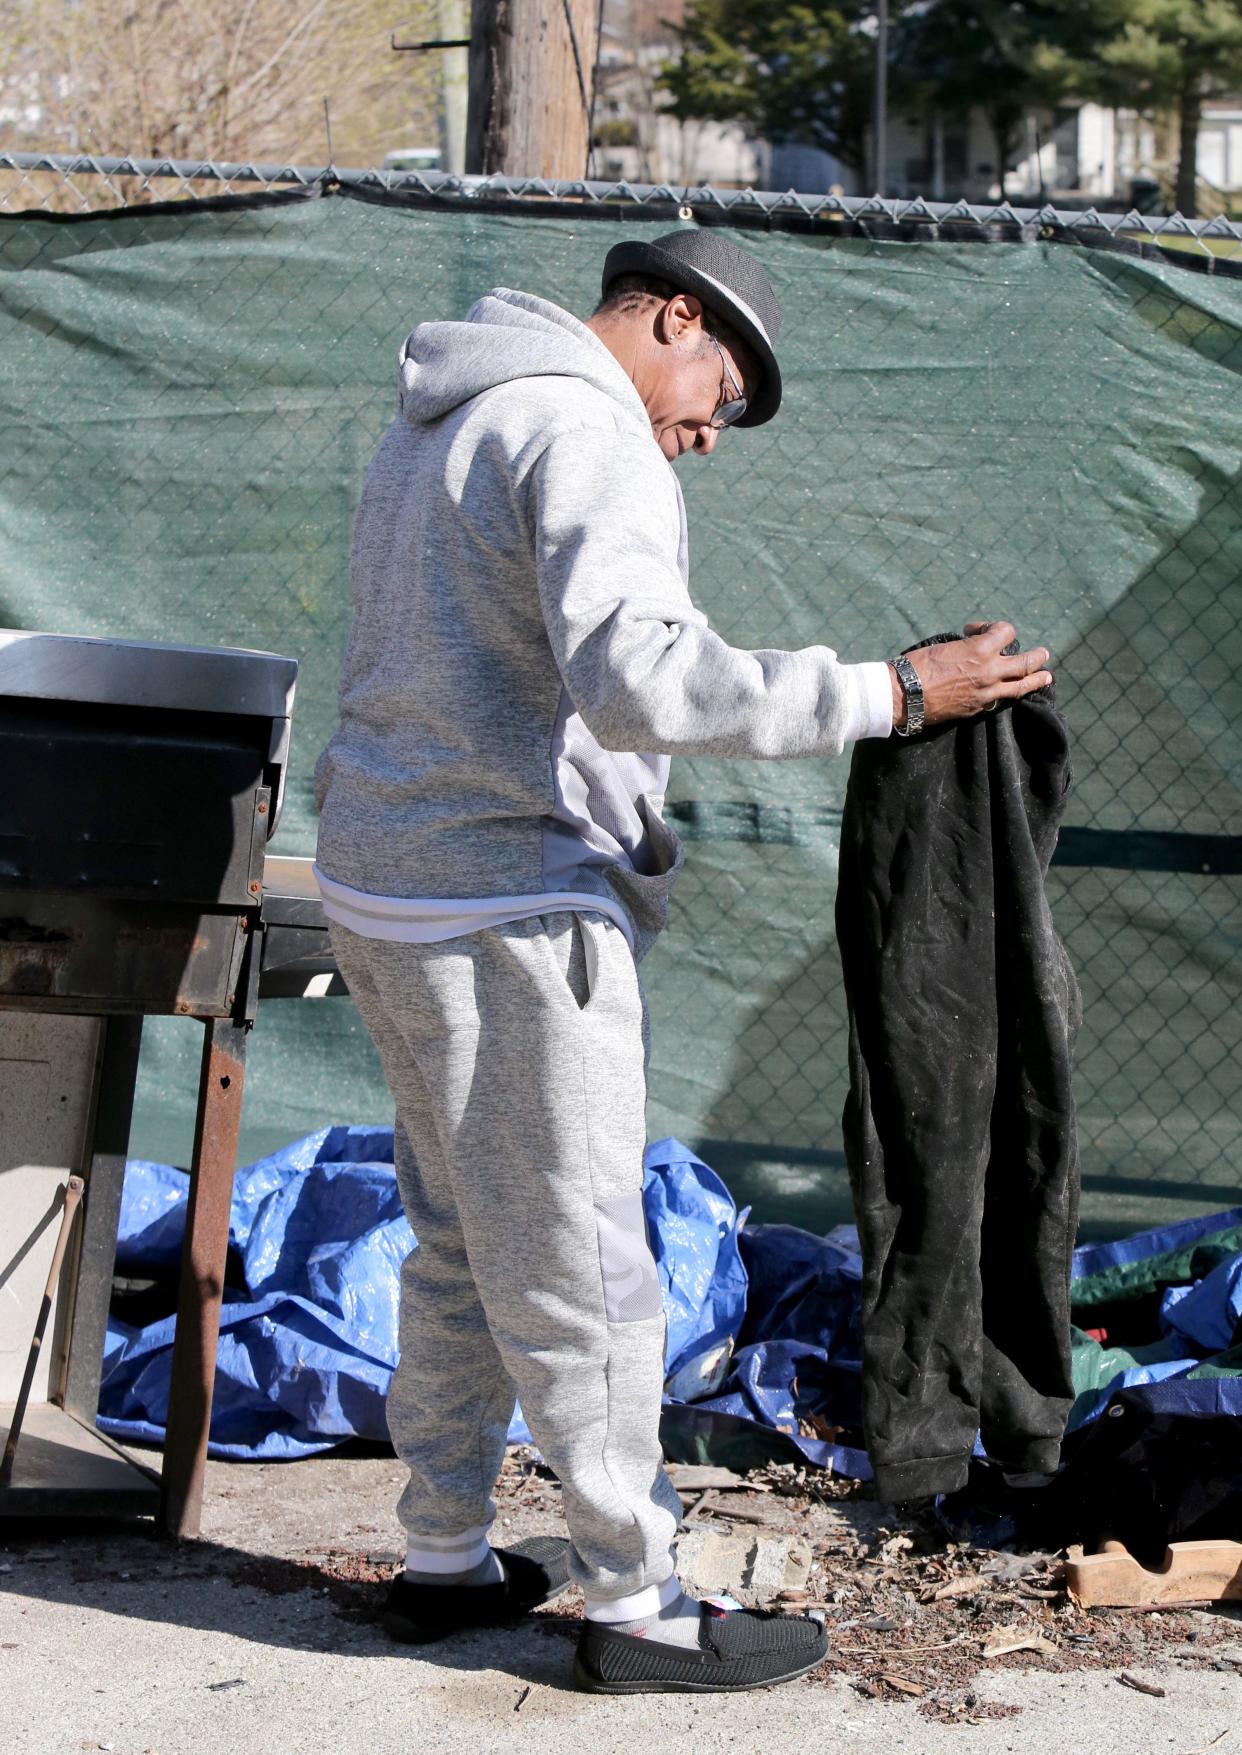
{"x":963,"y":677}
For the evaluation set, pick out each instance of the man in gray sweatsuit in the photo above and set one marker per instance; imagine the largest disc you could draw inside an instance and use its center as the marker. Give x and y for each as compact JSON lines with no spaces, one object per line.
{"x":494,"y":862}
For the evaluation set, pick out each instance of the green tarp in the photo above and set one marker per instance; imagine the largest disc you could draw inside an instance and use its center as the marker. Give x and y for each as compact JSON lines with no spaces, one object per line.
{"x":188,"y":401}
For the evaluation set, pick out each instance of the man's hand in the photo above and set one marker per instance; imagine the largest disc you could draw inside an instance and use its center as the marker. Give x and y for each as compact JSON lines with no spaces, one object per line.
{"x":963,"y":677}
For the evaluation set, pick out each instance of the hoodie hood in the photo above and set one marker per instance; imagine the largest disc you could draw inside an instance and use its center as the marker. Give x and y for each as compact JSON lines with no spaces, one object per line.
{"x":506,"y":336}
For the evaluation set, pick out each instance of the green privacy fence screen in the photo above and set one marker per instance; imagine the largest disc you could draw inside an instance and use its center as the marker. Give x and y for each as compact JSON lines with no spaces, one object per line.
{"x":190,"y":394}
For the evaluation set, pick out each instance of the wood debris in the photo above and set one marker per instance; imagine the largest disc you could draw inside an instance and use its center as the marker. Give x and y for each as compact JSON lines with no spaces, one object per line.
{"x":1209,"y":1571}
{"x":954,"y":1587}
{"x":1140,"y":1686}
{"x":901,"y":1683}
{"x":894,"y":1548}
{"x":709,"y":1506}
{"x":1020,"y":1642}
{"x":694,"y":1478}
{"x":906,"y":1609}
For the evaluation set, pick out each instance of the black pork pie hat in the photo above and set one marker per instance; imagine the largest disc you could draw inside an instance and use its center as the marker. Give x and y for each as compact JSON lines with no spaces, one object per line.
{"x":730,"y":283}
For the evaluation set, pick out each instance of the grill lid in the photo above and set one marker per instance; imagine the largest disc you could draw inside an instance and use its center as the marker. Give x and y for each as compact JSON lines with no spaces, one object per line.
{"x":140,"y":673}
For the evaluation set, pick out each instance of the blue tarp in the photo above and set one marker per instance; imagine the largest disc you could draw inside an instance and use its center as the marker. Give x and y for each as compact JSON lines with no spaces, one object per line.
{"x":1189,"y":1368}
{"x":308,"y":1331}
{"x":1205,"y":1316}
{"x":764,"y":1334}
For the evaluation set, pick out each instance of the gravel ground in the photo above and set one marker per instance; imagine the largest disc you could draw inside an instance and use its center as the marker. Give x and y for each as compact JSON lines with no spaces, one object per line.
{"x":260,"y":1637}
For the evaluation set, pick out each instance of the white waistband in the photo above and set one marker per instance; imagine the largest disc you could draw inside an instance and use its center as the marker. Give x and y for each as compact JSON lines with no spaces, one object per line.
{"x":432,"y":919}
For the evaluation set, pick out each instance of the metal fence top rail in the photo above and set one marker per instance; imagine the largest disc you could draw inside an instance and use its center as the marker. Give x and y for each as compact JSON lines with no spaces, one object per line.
{"x":692,"y":200}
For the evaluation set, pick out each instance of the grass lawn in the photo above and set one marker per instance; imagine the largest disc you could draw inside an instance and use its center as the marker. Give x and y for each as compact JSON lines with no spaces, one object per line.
{"x":1230,"y":247}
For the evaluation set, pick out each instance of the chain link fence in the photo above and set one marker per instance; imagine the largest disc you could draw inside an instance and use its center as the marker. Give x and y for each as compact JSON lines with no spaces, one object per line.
{"x":995,"y":411}
{"x":87,"y":182}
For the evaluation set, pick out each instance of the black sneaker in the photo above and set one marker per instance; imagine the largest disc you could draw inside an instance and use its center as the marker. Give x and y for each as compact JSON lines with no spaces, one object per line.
{"x":738,"y":1649}
{"x":536,"y":1571}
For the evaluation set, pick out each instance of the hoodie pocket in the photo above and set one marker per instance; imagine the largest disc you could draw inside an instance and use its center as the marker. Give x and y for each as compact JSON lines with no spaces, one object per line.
{"x":645,"y":896}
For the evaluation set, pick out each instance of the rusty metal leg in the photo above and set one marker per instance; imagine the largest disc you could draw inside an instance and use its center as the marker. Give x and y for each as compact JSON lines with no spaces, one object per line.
{"x":202,"y":1275}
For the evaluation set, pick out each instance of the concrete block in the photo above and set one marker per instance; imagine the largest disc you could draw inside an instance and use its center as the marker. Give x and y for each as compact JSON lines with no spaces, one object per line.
{"x":753,"y":1568}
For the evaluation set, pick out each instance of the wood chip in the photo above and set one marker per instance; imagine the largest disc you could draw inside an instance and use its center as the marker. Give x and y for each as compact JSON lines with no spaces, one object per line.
{"x":732,"y":1513}
{"x":1022,"y":1642}
{"x":696,"y":1477}
{"x":955,"y":1587}
{"x":900,"y":1683}
{"x":1140,"y":1686}
{"x":895,"y":1547}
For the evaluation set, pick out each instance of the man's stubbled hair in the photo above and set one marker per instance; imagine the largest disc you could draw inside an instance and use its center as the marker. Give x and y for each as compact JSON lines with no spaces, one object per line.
{"x":630,"y":292}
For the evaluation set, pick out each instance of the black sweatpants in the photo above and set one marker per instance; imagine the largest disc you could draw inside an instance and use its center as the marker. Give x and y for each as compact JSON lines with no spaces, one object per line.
{"x":959,"y":1126}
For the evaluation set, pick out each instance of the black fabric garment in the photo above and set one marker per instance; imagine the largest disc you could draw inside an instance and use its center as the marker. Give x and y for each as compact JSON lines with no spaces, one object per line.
{"x":959,"y":1126}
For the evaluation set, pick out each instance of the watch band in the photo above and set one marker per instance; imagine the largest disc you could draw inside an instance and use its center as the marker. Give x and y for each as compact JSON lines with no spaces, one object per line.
{"x":912,"y":689}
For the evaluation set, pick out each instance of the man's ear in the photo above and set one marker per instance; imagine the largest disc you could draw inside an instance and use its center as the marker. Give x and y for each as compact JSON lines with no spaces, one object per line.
{"x":682,"y":312}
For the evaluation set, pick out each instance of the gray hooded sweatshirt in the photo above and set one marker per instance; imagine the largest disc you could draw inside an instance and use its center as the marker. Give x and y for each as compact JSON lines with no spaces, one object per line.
{"x":522,"y":625}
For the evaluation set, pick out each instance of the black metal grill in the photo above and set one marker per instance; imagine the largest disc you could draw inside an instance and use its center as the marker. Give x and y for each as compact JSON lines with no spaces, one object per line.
{"x":141,"y":786}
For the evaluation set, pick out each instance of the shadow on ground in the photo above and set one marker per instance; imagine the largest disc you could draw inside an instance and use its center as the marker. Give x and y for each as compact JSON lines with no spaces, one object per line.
{"x":274,"y":1600}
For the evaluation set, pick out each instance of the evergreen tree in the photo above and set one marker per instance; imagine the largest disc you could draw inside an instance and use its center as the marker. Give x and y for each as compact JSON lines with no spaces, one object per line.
{"x":1157,"y":56}
{"x":807,"y":73}
{"x":800,"y":73}
{"x":1004,"y":58}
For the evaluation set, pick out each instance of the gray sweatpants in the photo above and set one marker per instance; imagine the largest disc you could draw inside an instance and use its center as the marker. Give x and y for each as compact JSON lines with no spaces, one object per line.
{"x":515,"y":1056}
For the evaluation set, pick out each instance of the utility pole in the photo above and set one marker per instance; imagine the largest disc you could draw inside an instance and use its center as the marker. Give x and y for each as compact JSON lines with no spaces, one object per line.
{"x":451,"y":16}
{"x":532,"y":66}
{"x":879,"y":108}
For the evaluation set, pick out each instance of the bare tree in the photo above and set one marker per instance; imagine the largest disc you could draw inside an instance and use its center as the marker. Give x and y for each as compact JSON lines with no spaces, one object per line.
{"x":236,"y":80}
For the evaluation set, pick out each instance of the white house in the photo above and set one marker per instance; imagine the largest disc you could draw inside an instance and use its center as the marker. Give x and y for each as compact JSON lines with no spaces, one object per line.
{"x":1113,"y":157}
{"x":1219,"y":157}
{"x":637,"y":141}
{"x":1088,"y":154}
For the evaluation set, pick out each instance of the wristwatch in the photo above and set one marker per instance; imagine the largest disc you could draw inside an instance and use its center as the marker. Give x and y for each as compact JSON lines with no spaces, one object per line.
{"x":912,"y":689}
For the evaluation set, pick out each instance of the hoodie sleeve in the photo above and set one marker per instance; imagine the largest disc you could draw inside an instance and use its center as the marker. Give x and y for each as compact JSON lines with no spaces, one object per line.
{"x":639,"y":661}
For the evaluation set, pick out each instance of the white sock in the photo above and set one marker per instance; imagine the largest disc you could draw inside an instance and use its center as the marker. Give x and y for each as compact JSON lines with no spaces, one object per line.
{"x":666,"y":1615}
{"x":462,"y":1559}
{"x":488,"y":1571}
{"x":677,"y":1623}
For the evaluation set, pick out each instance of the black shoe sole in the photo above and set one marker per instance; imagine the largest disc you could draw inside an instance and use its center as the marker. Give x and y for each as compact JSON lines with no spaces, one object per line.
{"x":589,"y":1684}
{"x":407,"y":1632}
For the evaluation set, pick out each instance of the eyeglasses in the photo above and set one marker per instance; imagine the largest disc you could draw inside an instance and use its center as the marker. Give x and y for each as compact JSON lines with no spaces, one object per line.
{"x":729,"y":410}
